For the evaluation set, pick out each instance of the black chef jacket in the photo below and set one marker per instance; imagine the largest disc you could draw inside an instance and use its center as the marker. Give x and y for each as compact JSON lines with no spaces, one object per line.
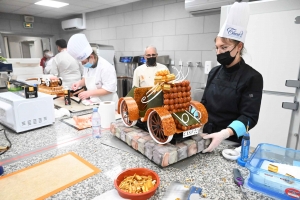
{"x":232,"y":94}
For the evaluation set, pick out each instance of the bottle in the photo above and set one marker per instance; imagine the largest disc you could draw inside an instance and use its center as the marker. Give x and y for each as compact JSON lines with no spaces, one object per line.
{"x":67,"y":96}
{"x":245,"y":148}
{"x":1,"y":170}
{"x":96,"y":123}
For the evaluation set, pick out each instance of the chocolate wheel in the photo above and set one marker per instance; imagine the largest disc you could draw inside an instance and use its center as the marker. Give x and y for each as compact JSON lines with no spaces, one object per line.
{"x":156,"y":129}
{"x":125,"y":115}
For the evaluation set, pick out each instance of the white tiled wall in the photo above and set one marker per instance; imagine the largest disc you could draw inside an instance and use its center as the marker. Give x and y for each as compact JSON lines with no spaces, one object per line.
{"x":154,"y":14}
{"x":163,"y":23}
{"x":190,"y":25}
{"x":176,"y":42}
{"x":175,"y":11}
{"x":164,"y":28}
{"x":124,"y":32}
{"x":134,"y":17}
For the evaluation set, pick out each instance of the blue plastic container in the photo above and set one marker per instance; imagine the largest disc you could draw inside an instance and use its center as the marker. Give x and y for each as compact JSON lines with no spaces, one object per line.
{"x":273,"y":184}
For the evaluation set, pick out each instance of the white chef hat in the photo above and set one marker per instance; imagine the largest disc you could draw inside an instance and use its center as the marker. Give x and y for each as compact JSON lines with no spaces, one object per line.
{"x":235,"y":26}
{"x":79,"y":47}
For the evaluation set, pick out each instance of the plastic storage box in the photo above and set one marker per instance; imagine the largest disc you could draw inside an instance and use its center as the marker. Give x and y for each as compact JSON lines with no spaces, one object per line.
{"x":280,"y":180}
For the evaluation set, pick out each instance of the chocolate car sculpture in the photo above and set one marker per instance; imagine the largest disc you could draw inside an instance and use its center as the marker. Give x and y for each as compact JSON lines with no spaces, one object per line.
{"x":48,"y":86}
{"x":167,"y":108}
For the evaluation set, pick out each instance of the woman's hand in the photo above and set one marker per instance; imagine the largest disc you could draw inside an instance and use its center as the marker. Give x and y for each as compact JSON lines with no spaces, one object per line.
{"x":84,"y":94}
{"x":217,"y":138}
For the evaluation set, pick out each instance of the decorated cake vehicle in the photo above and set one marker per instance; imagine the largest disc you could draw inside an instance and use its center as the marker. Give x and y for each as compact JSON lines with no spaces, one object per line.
{"x":49,"y":86}
{"x":166,"y":107}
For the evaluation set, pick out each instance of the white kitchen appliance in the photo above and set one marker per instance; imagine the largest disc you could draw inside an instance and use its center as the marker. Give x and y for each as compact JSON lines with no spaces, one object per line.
{"x":273,"y":48}
{"x":21,"y":114}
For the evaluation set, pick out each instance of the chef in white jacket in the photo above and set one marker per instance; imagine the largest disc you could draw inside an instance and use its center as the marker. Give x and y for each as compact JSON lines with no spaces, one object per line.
{"x":99,"y":76}
{"x":65,"y":66}
{"x":48,"y":63}
{"x":144,"y":75}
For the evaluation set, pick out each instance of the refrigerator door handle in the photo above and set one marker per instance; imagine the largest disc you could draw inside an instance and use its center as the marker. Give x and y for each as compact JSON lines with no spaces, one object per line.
{"x":292,"y":83}
{"x":292,"y":106}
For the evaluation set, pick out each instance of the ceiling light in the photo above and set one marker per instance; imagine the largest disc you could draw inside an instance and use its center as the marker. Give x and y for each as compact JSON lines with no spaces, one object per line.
{"x":55,"y":4}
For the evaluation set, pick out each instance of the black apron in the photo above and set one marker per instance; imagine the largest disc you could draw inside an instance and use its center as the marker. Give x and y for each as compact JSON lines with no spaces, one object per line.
{"x":222,"y":100}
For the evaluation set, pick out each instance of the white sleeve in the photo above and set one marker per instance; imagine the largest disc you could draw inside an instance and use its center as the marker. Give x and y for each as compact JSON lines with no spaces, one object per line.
{"x":54,"y":68}
{"x":136,"y":79}
{"x":109,"y":78}
{"x":48,"y":66}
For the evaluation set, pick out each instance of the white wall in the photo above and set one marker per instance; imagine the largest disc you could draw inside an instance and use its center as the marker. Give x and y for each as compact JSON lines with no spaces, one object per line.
{"x":13,"y":23}
{"x":163,"y":23}
{"x":14,"y":46}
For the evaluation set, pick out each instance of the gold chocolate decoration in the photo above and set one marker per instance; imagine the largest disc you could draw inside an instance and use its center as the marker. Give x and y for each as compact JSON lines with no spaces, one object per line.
{"x":163,"y":76}
{"x":166,"y":86}
{"x":170,"y":77}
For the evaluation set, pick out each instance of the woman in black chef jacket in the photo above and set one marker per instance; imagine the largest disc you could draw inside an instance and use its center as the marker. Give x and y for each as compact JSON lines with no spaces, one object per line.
{"x":233,"y":91}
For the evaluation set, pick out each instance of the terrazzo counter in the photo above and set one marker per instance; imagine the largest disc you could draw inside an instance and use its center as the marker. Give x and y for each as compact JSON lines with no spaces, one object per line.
{"x":209,"y":171}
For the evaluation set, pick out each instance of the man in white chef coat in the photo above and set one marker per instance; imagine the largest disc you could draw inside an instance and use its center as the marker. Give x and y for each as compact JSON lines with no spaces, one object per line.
{"x":144,"y":75}
{"x":99,"y":75}
{"x":65,"y":66}
{"x":48,"y":63}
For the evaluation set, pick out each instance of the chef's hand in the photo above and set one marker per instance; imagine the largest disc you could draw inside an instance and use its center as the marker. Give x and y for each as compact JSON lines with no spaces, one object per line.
{"x":76,"y":85}
{"x":84,"y":94}
{"x":217,"y":138}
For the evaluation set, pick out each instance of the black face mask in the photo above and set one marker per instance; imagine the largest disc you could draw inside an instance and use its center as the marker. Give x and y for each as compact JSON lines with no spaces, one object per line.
{"x":225,"y":58}
{"x":151,"y":61}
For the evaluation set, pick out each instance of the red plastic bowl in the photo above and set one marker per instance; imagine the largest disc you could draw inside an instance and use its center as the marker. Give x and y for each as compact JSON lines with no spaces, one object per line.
{"x":140,"y":172}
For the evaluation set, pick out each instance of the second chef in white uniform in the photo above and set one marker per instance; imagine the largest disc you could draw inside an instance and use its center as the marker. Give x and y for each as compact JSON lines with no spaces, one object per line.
{"x":144,"y":75}
{"x":99,"y":76}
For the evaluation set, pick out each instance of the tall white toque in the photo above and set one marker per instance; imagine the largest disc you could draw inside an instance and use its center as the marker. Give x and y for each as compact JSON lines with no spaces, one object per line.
{"x":235,"y":26}
{"x":79,"y":47}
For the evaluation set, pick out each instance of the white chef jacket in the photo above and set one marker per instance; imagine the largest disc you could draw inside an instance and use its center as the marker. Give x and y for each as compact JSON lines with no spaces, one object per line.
{"x":65,"y":66}
{"x":104,"y":76}
{"x":48,"y":66}
{"x":143,"y":76}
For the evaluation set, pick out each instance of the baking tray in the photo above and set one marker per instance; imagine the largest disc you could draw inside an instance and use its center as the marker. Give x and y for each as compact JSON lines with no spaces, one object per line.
{"x":70,"y":121}
{"x":74,"y":107}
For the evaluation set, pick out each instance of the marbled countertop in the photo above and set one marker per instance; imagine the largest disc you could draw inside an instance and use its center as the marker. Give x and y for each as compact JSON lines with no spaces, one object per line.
{"x":211,"y":171}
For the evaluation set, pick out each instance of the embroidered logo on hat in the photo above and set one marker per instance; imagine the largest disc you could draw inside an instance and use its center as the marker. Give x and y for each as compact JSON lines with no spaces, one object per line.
{"x":81,"y":57}
{"x":235,"y":26}
{"x":233,"y":32}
